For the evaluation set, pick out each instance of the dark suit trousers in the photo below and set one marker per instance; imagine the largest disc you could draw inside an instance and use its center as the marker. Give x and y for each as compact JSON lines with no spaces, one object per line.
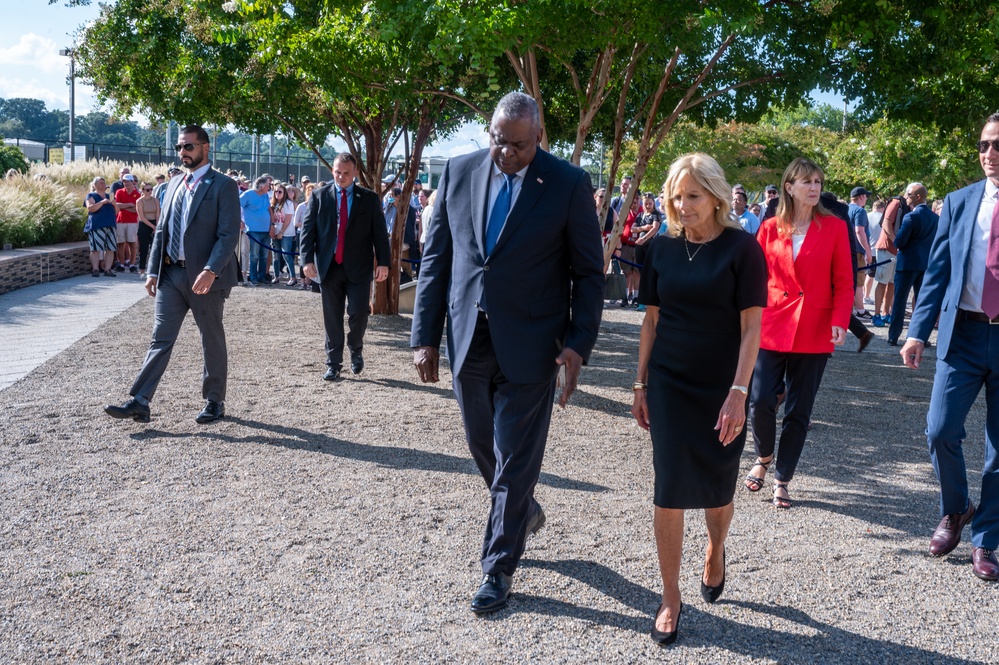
{"x":803,"y":374}
{"x":506,"y":425}
{"x":339,"y":293}
{"x":972,"y":362}
{"x":905,"y":280}
{"x":174,"y":298}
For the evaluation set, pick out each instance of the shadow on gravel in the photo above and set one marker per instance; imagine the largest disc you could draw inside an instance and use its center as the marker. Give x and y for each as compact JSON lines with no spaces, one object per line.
{"x":605,"y":580}
{"x":831,"y":643}
{"x":394,"y":457}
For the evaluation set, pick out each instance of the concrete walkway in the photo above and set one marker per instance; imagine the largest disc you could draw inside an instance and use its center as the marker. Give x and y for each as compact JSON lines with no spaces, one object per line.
{"x":39,"y":321}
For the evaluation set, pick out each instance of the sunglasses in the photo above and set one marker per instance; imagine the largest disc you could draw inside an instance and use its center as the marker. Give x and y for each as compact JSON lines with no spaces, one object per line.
{"x":983,"y":146}
{"x":187,"y":147}
{"x":147,"y":189}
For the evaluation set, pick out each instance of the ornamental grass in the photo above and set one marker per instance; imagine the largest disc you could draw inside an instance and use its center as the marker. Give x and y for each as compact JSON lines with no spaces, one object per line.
{"x":38,"y":212}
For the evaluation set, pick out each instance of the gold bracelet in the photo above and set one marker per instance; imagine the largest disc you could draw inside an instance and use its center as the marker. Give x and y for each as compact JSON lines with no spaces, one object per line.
{"x":742,"y":389}
{"x":638,"y":386}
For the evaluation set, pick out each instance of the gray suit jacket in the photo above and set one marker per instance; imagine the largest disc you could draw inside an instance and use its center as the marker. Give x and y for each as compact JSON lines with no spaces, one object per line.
{"x":212,"y":229}
{"x":543,"y":284}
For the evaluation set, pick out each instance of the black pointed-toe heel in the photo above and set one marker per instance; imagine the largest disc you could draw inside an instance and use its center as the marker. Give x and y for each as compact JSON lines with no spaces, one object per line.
{"x":663,"y":638}
{"x":712,"y":593}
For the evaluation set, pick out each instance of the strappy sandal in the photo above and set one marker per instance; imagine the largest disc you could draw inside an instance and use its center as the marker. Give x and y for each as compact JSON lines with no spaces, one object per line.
{"x":754,"y":484}
{"x":782,"y":503}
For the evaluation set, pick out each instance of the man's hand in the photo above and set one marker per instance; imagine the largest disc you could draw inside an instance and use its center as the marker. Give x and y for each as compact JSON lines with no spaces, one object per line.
{"x":381,"y":274}
{"x":309,"y":270}
{"x":912,"y":353}
{"x":203,"y":282}
{"x":151,"y":286}
{"x":573,"y":362}
{"x":427,"y":360}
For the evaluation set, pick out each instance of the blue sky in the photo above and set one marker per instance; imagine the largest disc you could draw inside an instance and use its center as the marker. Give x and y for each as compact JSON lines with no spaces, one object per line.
{"x":30,"y":64}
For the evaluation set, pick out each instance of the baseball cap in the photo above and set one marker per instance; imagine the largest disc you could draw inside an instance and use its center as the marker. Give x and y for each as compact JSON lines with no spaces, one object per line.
{"x":771,"y":188}
{"x":858,"y":191}
{"x":128,"y":176}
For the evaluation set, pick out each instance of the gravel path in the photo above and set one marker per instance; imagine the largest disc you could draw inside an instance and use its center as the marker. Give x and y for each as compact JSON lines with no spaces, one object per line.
{"x":342,"y":523}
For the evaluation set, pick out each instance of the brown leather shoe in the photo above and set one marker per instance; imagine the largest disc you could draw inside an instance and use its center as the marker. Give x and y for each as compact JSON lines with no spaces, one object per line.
{"x":984,"y":564}
{"x":948,"y":533}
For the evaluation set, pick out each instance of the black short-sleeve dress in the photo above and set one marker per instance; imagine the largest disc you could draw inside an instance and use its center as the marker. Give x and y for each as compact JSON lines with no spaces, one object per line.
{"x":694,"y":360}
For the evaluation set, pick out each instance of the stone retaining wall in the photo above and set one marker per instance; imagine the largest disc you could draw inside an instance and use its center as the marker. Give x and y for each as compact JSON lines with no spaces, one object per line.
{"x":24,"y":267}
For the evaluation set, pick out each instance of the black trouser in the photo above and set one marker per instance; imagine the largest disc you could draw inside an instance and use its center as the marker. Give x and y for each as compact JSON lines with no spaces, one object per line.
{"x":339,"y":293}
{"x":803,"y":374}
{"x":145,"y":240}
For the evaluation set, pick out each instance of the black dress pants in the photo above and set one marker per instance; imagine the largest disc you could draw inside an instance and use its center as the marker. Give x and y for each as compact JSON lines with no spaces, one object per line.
{"x":802,"y":373}
{"x":338,"y":293}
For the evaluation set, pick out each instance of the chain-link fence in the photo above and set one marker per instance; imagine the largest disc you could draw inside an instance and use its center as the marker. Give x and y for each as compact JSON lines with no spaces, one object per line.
{"x":279,"y":167}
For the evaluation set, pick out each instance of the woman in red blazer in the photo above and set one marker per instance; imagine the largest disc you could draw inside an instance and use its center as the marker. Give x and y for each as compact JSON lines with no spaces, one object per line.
{"x":809,"y":296}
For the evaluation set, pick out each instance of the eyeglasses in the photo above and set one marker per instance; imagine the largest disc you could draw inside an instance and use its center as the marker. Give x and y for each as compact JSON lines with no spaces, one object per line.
{"x":983,"y":146}
{"x":187,"y":147}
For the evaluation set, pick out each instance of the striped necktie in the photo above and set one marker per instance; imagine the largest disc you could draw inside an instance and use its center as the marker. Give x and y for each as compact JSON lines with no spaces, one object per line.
{"x":177,"y":220}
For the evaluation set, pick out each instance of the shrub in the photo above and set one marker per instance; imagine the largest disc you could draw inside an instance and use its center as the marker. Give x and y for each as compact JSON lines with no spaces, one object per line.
{"x":38,"y":212}
{"x":11,"y":157}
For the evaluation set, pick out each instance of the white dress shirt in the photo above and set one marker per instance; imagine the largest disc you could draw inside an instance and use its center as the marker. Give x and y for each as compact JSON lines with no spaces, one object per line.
{"x":971,"y":296}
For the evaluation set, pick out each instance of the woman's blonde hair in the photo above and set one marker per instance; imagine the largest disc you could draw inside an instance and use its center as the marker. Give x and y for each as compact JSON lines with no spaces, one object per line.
{"x":799,"y":168}
{"x":707,"y":173}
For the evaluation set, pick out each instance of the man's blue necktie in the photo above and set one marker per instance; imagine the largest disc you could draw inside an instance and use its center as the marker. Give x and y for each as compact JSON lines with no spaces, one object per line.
{"x":500,"y":210}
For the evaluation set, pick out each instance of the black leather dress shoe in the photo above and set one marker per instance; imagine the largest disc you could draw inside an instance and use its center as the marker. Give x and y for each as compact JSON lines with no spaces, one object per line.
{"x":493,"y":593}
{"x":712,"y":593}
{"x":356,"y":363}
{"x":536,"y":521}
{"x":984,"y":564}
{"x":662,"y":638}
{"x":331,"y":375}
{"x":864,"y":341}
{"x":130,"y":409}
{"x":212,"y":412}
{"x":948,"y":533}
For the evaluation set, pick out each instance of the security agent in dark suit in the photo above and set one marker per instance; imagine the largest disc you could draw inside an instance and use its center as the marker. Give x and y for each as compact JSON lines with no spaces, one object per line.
{"x":513,"y":261}
{"x":342,"y":234}
{"x":913,"y":241}
{"x":961,"y":286}
{"x":191,"y":267}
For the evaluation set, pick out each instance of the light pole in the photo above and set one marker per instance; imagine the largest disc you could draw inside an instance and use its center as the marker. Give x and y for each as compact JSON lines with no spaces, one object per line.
{"x":476,"y":143}
{"x":67,"y":52}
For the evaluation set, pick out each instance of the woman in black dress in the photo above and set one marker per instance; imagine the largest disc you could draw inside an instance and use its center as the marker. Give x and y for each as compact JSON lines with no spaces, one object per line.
{"x":704,"y":287}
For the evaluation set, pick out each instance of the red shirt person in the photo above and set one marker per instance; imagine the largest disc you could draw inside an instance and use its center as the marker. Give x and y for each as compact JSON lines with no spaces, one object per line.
{"x":127,"y":222}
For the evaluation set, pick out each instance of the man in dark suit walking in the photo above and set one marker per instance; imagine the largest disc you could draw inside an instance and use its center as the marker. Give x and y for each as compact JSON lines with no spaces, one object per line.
{"x":191,"y":267}
{"x":342,"y":235}
{"x":513,"y":261}
{"x":913,"y":242}
{"x":961,"y":286}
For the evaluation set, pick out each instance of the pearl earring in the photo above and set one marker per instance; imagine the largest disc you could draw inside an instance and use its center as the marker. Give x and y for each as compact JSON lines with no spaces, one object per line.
{"x":718,"y":207}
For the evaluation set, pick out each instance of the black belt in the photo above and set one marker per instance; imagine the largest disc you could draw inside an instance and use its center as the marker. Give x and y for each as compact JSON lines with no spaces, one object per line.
{"x":170,"y":262}
{"x":980,"y":317}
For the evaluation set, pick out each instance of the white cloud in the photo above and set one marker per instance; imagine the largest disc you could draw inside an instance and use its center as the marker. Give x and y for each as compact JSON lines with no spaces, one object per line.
{"x":54,"y":97}
{"x":33,"y":51}
{"x":461,"y":142}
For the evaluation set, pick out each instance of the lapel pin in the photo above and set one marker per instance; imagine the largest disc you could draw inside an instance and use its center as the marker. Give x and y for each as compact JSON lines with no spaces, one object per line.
{"x":540,"y":181}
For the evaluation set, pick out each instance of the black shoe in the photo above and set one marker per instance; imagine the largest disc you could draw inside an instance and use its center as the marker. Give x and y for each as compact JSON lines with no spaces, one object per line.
{"x":95,"y":273}
{"x":130,"y":409}
{"x":356,"y":363}
{"x":864,"y":341}
{"x":109,"y":273}
{"x":213,"y":411}
{"x":712,"y":593}
{"x":893,"y":342}
{"x":536,"y":521}
{"x":624,"y":302}
{"x":662,"y":638}
{"x":119,"y":268}
{"x":493,"y":593}
{"x":332,"y":374}
{"x":134,"y":270}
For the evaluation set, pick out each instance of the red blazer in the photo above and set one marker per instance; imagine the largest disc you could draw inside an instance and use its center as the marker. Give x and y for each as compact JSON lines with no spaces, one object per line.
{"x":808,"y":296}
